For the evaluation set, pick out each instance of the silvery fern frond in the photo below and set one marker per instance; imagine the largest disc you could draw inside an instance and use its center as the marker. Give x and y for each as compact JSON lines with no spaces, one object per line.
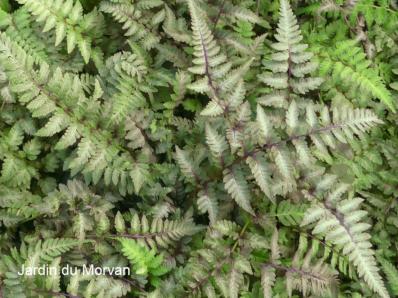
{"x":62,"y":101}
{"x":289,"y":70}
{"x":68,"y":21}
{"x":137,"y":22}
{"x":341,"y":221}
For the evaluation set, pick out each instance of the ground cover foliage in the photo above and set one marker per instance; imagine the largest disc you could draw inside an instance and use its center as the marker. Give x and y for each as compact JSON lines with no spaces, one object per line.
{"x":219,"y":148}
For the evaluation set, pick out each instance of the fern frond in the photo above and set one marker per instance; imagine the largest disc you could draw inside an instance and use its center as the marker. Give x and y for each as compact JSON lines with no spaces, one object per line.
{"x":207,"y":202}
{"x":346,"y":65}
{"x":124,"y":76}
{"x":47,"y":251}
{"x":177,"y":30}
{"x":209,"y":61}
{"x":19,"y":206}
{"x":68,"y":21}
{"x":22,"y":30}
{"x":144,"y":260}
{"x":217,"y":79}
{"x":63,"y":101}
{"x":158,"y":232}
{"x":290,"y":64}
{"x":236,"y":277}
{"x":133,"y":20}
{"x":268,"y":272}
{"x":81,"y":284}
{"x":268,"y":277}
{"x":185,"y":163}
{"x":375,"y":12}
{"x":392,"y":275}
{"x":339,"y":221}
{"x":289,"y":214}
{"x":216,"y":142}
{"x":237,"y":187}
{"x":262,"y":174}
{"x":308,"y":278}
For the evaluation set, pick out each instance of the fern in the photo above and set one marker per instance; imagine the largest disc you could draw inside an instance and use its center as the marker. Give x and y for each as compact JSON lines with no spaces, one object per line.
{"x":48,"y":250}
{"x":206,"y":148}
{"x":32,"y":256}
{"x":145,"y":261}
{"x":68,"y":22}
{"x":289,"y":214}
{"x":392,"y":275}
{"x":340,"y":221}
{"x":217,"y":76}
{"x":159,"y":233}
{"x":304,"y":276}
{"x":20,"y":28}
{"x":290,"y":63}
{"x":52,"y":102}
{"x":346,"y":64}
{"x":316,"y":278}
{"x":132,"y":17}
{"x":238,"y":189}
{"x":237,"y":130}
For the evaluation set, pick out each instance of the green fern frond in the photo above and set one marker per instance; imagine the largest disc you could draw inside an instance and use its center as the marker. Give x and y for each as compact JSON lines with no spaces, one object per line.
{"x":392,"y":275}
{"x":378,"y":12}
{"x":346,"y":64}
{"x":144,"y":260}
{"x":289,"y":214}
